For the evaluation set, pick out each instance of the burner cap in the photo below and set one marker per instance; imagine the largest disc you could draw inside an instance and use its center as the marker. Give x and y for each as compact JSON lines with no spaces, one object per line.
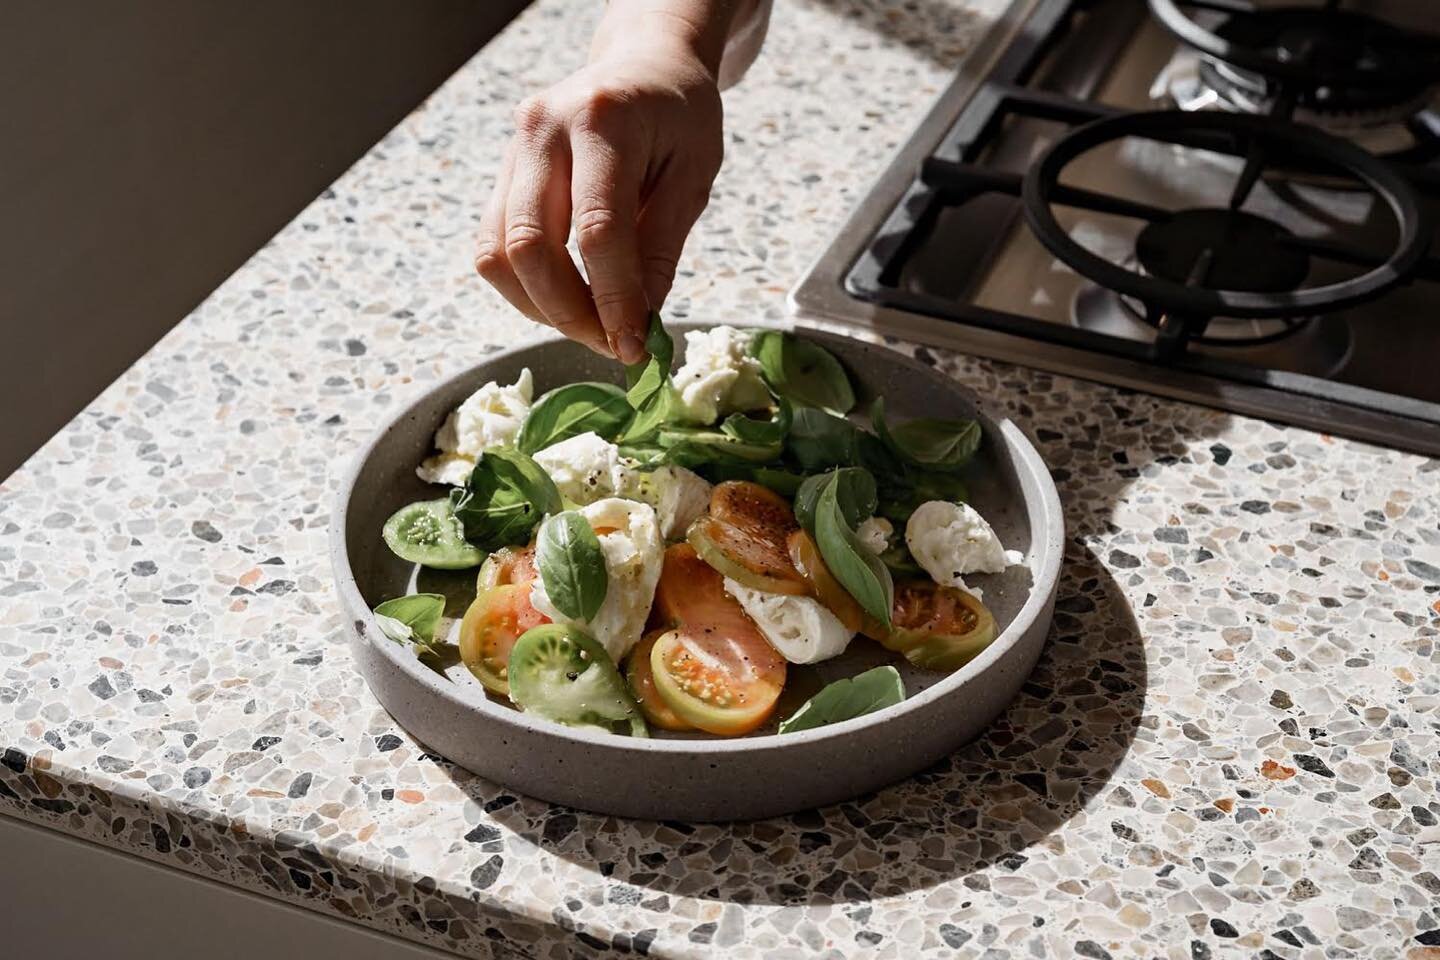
{"x":1221,"y":249}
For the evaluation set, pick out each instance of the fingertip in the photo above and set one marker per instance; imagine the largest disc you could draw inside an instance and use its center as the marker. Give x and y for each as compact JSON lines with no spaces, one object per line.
{"x":628,"y":347}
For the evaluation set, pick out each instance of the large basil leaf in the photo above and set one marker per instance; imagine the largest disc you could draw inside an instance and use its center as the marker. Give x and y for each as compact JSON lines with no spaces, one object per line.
{"x":507,"y":496}
{"x":930,"y":442}
{"x":572,"y":565}
{"x":599,"y":408}
{"x":820,"y":440}
{"x":412,"y":619}
{"x":856,"y":496}
{"x":859,"y":571}
{"x":650,"y":391}
{"x":848,"y":698}
{"x":802,"y":370}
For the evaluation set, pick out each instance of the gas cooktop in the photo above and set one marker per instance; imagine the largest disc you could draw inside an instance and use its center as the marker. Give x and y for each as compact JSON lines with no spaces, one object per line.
{"x":1224,"y":202}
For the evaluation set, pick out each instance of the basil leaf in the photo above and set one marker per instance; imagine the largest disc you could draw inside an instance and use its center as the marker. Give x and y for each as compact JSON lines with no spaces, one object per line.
{"x":646,"y":456}
{"x":650,"y":391}
{"x":899,"y":498}
{"x":856,"y":496}
{"x":781,"y":481}
{"x":572,"y":565}
{"x":645,"y":377}
{"x":820,"y":440}
{"x":660,"y":408}
{"x":599,"y":408}
{"x":411,"y":619}
{"x":849,"y":698}
{"x":859,"y":571}
{"x":802,"y":370}
{"x":506,"y":497}
{"x":724,"y":445}
{"x":768,"y":432}
{"x":928,"y":441}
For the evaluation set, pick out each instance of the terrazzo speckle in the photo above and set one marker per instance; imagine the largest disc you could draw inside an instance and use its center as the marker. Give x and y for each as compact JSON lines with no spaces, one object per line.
{"x":1229,"y":746}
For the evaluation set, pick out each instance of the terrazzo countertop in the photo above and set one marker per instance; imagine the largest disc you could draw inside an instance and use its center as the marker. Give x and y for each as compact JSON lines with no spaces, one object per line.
{"x":1230,"y":743}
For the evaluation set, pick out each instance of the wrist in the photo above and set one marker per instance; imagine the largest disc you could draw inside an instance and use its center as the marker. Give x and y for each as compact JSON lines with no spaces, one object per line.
{"x":686,"y":30}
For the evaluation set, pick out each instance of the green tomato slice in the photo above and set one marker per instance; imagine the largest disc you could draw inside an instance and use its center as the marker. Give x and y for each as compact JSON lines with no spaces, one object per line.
{"x":427,"y":533}
{"x":564,"y":675}
{"x":936,"y":627}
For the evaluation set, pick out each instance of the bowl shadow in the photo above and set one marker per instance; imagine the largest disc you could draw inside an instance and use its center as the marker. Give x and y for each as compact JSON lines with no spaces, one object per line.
{"x":1033,"y":769}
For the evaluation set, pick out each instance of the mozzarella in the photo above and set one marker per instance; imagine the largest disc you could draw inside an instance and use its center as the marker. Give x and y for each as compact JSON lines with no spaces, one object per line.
{"x":719,"y":376}
{"x":875,"y":534}
{"x":949,"y":540}
{"x":491,"y":417}
{"x":585,"y":468}
{"x":678,"y":495}
{"x":634,"y":552}
{"x":802,"y":629}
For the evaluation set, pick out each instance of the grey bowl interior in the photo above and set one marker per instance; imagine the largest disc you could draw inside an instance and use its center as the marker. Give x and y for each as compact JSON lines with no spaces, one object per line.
{"x":453,"y":714}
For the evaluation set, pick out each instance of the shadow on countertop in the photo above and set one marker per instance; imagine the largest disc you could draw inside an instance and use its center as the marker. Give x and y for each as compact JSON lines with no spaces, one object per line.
{"x":939,"y":31}
{"x":1036,"y":767}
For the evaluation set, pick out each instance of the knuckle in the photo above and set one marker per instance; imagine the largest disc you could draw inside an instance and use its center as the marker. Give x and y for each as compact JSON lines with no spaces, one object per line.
{"x":662,"y":265}
{"x":620,"y":296}
{"x":524,"y":242}
{"x":597,"y":229}
{"x":599,"y":107}
{"x":531,"y":116}
{"x":490,"y":259}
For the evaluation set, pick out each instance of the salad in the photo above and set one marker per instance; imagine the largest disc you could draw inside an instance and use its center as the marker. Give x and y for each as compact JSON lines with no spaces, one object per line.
{"x":660,"y":556}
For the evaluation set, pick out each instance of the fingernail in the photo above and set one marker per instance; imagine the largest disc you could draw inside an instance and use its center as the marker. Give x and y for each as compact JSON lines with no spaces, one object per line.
{"x":630,"y":348}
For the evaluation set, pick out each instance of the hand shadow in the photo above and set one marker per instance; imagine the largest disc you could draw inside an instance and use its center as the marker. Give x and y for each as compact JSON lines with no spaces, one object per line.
{"x":1034,"y":768}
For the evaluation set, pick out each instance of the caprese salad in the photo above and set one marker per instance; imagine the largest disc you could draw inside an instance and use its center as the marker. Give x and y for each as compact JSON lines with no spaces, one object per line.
{"x":657,"y":556}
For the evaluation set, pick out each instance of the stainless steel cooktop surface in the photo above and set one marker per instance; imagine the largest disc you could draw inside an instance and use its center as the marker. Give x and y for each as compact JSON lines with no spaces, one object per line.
{"x":1226,"y":203}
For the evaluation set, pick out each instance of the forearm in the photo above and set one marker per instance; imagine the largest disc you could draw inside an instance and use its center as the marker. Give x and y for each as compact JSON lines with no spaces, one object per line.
{"x":704,"y":27}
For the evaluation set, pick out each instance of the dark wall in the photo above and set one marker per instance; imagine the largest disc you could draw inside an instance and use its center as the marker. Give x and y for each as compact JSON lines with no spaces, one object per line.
{"x":147,"y":148}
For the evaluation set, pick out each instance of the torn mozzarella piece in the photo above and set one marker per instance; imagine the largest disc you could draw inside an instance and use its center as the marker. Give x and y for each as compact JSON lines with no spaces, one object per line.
{"x":949,"y":540}
{"x":678,"y":495}
{"x":634,"y":552}
{"x":719,"y":376}
{"x":585,"y":468}
{"x":491,"y":417}
{"x":802,"y":629}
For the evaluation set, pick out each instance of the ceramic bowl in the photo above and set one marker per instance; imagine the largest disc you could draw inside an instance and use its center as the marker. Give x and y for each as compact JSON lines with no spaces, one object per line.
{"x":689,"y":777}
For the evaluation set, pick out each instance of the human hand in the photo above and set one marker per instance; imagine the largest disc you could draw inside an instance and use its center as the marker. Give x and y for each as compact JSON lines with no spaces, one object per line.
{"x":627,"y":148}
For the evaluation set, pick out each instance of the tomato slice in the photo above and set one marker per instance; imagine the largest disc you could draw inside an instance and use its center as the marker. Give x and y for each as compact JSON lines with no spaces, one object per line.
{"x":744,"y":537}
{"x":936,"y":627}
{"x":713,"y":668}
{"x":641,"y":677}
{"x":823,"y":586}
{"x":507,"y":565}
{"x":492,"y":624}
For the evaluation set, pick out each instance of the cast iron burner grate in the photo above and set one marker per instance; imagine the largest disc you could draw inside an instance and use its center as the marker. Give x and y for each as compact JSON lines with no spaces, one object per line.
{"x":1327,"y":58}
{"x":1204,"y":263}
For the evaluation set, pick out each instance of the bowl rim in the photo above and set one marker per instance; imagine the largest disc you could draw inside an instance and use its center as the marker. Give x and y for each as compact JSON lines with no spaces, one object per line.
{"x":1045,"y":557}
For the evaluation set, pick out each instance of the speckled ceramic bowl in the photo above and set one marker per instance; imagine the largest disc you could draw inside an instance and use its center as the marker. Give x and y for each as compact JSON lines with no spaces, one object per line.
{"x":678,"y":776}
